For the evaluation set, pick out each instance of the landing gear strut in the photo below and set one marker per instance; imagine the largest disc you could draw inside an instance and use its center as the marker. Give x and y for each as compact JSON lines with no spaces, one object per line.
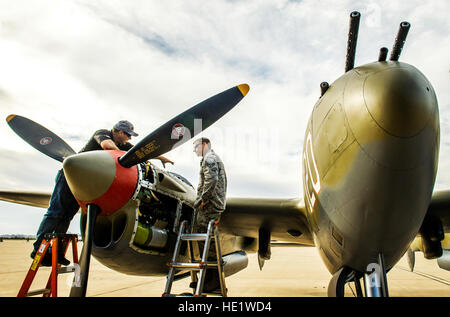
{"x":375,"y":279}
{"x":375,"y":282}
{"x":337,"y":283}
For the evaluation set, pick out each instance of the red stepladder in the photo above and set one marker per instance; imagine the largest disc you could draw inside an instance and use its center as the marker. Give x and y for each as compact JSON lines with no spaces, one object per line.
{"x":56,"y":241}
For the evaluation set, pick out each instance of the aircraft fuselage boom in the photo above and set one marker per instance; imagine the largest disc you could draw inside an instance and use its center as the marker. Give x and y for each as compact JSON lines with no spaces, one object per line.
{"x":369,"y":163}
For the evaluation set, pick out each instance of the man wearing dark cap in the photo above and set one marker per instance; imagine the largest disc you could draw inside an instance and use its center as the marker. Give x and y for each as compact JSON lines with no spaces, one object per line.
{"x":115,"y":139}
{"x":63,"y":206}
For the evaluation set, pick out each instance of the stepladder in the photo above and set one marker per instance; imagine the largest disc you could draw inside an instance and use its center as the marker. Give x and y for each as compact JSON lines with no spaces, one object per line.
{"x":55,"y":241}
{"x":198,"y":268}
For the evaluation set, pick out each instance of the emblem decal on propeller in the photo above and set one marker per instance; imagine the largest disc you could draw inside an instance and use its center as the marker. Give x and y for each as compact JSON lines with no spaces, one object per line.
{"x":45,"y":140}
{"x":178,"y":130}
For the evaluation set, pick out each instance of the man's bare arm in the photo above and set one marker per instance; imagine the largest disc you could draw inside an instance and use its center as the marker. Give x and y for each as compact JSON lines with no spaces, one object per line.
{"x":108,"y":145}
{"x":164,"y":160}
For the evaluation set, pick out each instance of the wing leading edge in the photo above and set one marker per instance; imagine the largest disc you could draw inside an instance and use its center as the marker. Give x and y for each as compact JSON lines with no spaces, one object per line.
{"x":35,"y":199}
{"x":285,"y":219}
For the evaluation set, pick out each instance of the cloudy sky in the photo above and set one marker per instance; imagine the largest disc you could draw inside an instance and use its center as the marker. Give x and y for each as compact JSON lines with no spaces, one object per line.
{"x":77,"y":66}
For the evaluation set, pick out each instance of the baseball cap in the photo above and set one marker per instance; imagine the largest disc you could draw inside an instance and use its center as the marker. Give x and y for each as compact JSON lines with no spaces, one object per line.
{"x":125,"y":126}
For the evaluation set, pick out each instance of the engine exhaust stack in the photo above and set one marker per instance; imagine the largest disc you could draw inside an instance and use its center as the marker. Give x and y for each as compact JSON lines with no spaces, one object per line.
{"x":399,"y":41}
{"x":352,"y":39}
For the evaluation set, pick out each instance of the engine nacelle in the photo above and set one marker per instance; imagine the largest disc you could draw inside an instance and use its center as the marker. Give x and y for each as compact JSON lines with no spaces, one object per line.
{"x":444,"y":260}
{"x":139,"y":238}
{"x":234,"y":262}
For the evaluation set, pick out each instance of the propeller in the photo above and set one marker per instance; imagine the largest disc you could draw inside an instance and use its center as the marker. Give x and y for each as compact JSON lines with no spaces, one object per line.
{"x":183,"y":127}
{"x":79,"y":168}
{"x":264,"y":251}
{"x":411,"y":259}
{"x":39,"y":137}
{"x":79,"y":288}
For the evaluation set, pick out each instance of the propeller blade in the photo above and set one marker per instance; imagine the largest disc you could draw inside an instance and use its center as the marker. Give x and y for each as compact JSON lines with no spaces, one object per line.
{"x":79,"y":288}
{"x":39,"y":137}
{"x":184,"y":126}
{"x":261,"y":262}
{"x":411,"y":259}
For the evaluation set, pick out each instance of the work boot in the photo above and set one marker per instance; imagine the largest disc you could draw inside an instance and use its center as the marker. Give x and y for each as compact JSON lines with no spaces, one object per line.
{"x":62,"y":260}
{"x":211,"y":283}
{"x":46,"y":260}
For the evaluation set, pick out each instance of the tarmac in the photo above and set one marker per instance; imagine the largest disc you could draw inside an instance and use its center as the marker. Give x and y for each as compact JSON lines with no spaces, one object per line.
{"x":291,"y":272}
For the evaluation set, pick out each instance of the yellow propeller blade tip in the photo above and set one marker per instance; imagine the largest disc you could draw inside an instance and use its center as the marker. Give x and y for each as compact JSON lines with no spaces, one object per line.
{"x":244,"y":88}
{"x":10,"y":117}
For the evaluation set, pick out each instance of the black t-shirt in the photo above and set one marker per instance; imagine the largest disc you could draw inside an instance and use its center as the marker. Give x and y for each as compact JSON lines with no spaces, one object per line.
{"x":101,"y":135}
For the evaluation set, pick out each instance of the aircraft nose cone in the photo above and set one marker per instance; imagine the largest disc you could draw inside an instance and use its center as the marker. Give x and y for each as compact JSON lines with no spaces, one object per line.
{"x":400,"y":100}
{"x":90,"y":174}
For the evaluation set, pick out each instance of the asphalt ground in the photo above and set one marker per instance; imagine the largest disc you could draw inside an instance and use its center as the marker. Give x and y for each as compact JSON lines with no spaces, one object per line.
{"x":291,"y":272}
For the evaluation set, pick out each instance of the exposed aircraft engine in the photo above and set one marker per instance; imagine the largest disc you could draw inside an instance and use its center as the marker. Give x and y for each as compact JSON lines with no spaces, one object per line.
{"x":150,"y":236}
{"x":156,"y":217}
{"x":159,"y":213}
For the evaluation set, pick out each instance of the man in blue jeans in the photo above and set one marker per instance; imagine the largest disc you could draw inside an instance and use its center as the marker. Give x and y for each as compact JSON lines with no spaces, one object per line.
{"x":63,"y":206}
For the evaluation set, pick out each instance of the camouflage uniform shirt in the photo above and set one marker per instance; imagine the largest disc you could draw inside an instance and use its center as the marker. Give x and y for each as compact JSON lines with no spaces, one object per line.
{"x":212,"y":186}
{"x":212,"y":189}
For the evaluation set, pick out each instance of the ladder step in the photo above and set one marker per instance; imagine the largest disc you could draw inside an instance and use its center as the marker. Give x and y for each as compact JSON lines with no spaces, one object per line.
{"x":57,"y":240}
{"x":39,"y":292}
{"x":66,"y":269}
{"x":192,"y":266}
{"x":194,"y":236}
{"x":195,"y":265}
{"x":178,"y":295}
{"x":216,"y":292}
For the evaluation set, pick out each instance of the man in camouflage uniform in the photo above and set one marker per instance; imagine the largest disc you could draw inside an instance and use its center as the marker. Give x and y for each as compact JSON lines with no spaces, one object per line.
{"x":212,"y":186}
{"x":210,"y":202}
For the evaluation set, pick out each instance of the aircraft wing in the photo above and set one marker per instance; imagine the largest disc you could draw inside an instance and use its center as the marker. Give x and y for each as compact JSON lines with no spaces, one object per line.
{"x":440,"y":208}
{"x":35,"y":199}
{"x":286,"y":219}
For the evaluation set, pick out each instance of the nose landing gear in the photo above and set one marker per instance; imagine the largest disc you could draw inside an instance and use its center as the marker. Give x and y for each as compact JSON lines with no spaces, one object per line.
{"x":375,"y":282}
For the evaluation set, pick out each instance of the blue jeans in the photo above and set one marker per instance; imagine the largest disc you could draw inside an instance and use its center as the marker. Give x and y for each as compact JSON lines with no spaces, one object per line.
{"x":61,"y":210}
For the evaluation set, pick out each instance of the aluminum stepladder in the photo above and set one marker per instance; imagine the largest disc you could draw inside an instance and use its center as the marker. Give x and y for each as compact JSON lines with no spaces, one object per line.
{"x":55,"y":240}
{"x":195,"y":265}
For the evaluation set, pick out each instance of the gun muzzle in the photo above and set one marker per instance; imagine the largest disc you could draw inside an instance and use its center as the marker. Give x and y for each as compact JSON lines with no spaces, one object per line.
{"x":383,"y":54}
{"x":399,"y":41}
{"x":352,"y":39}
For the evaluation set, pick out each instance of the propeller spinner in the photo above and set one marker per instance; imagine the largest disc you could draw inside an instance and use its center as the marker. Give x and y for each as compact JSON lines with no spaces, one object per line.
{"x":97,"y":178}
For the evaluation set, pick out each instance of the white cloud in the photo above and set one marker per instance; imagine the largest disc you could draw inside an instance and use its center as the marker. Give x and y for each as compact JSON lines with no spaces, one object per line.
{"x":76,"y":66}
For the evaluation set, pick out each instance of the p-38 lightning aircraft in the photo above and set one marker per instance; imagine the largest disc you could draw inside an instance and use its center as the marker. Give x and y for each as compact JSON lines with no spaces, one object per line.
{"x":369,"y":164}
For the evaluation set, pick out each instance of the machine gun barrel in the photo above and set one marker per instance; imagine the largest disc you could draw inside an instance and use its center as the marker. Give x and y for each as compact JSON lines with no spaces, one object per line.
{"x":323,"y":87}
{"x":383,"y":54}
{"x":399,"y":41}
{"x":352,"y":39}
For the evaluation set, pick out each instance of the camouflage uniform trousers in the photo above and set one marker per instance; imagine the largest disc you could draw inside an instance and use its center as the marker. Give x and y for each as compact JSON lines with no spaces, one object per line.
{"x":202,"y":219}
